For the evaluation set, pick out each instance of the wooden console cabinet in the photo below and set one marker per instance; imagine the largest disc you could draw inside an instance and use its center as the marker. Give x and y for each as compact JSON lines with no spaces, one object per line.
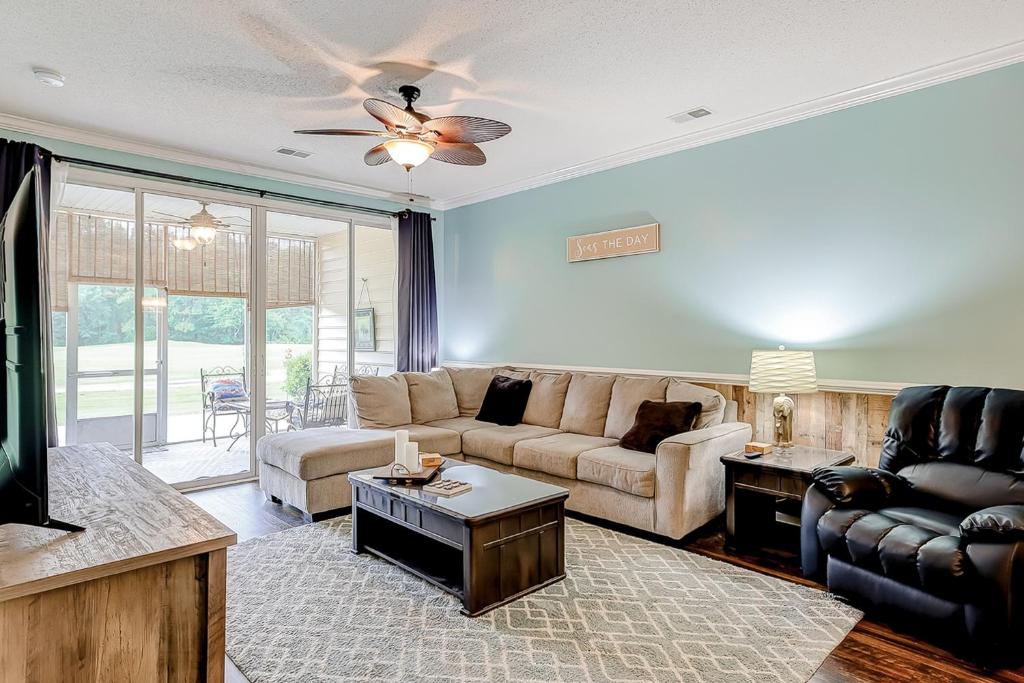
{"x":138,"y":596}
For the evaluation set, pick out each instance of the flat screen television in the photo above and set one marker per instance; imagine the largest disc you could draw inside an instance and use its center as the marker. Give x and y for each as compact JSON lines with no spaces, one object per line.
{"x":23,"y":480}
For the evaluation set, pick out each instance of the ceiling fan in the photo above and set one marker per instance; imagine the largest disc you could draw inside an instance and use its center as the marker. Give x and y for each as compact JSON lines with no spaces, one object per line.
{"x":202,"y":227}
{"x":414,"y":137}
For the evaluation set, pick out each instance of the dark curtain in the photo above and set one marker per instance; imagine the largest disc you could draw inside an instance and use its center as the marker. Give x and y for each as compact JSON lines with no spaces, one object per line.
{"x":417,"y":296}
{"x":16,"y":160}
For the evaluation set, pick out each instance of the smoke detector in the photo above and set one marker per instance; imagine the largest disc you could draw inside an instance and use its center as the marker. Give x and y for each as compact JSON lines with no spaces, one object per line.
{"x":297,"y":153}
{"x":687,"y":116}
{"x":49,"y":77}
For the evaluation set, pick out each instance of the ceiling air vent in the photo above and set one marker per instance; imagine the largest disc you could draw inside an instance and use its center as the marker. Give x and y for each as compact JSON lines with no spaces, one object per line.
{"x":297,"y":153}
{"x":686,"y":116}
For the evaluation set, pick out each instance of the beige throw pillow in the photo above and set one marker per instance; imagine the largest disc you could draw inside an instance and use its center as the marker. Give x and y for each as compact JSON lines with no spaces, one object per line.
{"x":627,"y":395}
{"x":431,"y":396}
{"x":586,"y":404}
{"x":470,"y":386}
{"x":547,"y":398}
{"x":712,"y":403}
{"x":381,"y":402}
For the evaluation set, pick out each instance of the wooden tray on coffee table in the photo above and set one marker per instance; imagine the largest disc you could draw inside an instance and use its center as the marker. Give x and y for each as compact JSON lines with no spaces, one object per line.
{"x":395,"y":476}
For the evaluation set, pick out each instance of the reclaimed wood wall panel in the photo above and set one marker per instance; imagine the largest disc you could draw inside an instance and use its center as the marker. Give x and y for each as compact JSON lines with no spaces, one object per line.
{"x":828,"y":419}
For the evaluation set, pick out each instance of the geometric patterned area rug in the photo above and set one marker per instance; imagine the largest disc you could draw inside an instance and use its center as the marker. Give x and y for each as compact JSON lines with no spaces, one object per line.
{"x":301,"y":607}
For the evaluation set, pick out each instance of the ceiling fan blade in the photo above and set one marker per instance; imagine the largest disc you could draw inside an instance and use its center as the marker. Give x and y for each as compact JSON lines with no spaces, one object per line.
{"x":169,"y":215}
{"x":341,"y":131}
{"x":459,"y":153}
{"x":467,"y":128}
{"x":376,"y":156}
{"x":390,"y":115}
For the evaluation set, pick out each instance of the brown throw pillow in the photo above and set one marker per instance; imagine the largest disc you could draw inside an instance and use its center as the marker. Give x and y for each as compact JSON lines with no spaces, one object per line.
{"x":656,"y":421}
{"x":505,"y":401}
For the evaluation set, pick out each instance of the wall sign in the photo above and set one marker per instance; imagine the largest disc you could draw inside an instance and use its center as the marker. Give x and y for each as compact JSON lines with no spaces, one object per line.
{"x":642,"y":239}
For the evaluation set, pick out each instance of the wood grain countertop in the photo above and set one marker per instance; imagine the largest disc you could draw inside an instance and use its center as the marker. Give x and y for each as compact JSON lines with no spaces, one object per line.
{"x":132,"y":519}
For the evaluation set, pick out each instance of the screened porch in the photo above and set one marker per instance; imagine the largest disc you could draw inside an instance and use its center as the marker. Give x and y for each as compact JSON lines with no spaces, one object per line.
{"x":198,"y":349}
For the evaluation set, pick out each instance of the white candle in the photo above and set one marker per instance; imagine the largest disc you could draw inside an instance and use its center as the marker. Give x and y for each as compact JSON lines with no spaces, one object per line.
{"x":401,"y":439}
{"x":412,"y":457}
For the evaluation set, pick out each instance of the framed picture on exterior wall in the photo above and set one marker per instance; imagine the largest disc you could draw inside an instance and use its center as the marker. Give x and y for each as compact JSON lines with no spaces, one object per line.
{"x":366,"y":330}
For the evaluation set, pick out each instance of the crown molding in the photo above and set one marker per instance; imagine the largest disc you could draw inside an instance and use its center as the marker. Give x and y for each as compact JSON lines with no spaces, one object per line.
{"x":845,"y":386}
{"x":117,"y":144}
{"x":915,"y":80}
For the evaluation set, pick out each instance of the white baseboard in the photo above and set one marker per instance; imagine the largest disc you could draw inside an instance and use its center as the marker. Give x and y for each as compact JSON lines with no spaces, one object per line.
{"x":848,"y":386}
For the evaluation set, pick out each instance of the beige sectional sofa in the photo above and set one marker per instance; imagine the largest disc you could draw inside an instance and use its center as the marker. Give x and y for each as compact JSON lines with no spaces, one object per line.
{"x":569,"y":436}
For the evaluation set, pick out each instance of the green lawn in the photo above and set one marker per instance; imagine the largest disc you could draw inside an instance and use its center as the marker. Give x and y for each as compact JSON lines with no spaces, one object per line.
{"x":110,"y":396}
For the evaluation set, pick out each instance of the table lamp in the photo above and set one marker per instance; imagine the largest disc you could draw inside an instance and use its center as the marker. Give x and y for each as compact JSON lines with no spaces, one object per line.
{"x":781,"y":372}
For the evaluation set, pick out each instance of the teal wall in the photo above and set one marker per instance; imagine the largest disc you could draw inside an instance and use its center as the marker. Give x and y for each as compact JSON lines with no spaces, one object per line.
{"x":888,"y":238}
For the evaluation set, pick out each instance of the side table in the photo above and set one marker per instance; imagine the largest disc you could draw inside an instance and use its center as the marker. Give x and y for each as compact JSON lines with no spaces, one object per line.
{"x":763,"y":492}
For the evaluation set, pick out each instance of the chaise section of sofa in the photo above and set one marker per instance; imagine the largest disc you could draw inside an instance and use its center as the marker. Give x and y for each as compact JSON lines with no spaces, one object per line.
{"x":570,"y":436}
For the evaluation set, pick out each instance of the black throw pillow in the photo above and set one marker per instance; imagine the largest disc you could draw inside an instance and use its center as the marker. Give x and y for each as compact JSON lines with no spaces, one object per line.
{"x":656,"y":421}
{"x":505,"y":400}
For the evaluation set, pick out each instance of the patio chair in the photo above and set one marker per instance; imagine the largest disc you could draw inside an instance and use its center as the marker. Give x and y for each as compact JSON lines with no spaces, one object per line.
{"x":368,"y":369}
{"x":224,"y":393}
{"x":324,"y":406}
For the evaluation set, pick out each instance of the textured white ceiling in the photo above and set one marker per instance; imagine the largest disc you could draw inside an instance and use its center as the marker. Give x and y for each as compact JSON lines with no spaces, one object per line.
{"x":577,"y":80}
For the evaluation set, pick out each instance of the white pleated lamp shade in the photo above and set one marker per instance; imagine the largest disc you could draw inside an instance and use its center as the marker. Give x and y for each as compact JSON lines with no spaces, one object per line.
{"x":783,"y":372}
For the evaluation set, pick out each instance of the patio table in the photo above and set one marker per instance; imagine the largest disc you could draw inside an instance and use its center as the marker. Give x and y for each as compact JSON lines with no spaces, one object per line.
{"x":276,"y":412}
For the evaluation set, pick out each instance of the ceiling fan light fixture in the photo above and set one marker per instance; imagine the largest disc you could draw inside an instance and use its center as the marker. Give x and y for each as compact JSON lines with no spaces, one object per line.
{"x":185,"y":243}
{"x":408,"y":152}
{"x":204,"y":234}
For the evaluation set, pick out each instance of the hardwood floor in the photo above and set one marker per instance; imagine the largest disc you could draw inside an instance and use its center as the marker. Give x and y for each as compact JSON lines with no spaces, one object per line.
{"x":873,"y":651}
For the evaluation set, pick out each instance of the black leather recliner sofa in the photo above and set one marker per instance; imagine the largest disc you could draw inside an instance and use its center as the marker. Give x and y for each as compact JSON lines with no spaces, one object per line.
{"x":936,"y":532}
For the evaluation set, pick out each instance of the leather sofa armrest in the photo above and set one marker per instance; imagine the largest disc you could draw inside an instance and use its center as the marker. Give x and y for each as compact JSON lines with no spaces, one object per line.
{"x":997,"y":524}
{"x":812,"y":555}
{"x":862,"y":487}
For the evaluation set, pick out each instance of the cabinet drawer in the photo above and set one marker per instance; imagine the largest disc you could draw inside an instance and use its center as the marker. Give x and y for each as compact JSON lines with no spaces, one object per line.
{"x":396,"y":508}
{"x":762,"y":479}
{"x":793,"y":484}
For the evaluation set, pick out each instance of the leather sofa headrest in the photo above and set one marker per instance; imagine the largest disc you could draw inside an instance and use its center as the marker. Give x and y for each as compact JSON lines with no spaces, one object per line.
{"x":966,"y":425}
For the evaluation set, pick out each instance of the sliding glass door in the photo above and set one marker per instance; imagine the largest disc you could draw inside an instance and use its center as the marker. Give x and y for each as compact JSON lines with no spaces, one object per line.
{"x":93,"y":308}
{"x":229,"y":319}
{"x":197,"y":262}
{"x":330,"y":315}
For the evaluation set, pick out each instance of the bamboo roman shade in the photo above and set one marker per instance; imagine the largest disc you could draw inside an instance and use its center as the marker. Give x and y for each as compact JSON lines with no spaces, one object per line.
{"x":99,"y":250}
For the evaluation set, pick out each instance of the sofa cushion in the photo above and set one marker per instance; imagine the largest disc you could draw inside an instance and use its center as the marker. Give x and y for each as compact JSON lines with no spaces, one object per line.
{"x":431,"y":396}
{"x":586,"y":404}
{"x":884,"y":542}
{"x":431,"y":439}
{"x":627,"y":395}
{"x":316,"y":453}
{"x":498,"y":443}
{"x":514,"y":374}
{"x":629,"y":471}
{"x":656,"y":421}
{"x":381,"y":401}
{"x":461,"y":424}
{"x":470,"y":385}
{"x":937,"y":521}
{"x":556,"y":454}
{"x":547,"y":398}
{"x":505,"y":401}
{"x":712,"y":411}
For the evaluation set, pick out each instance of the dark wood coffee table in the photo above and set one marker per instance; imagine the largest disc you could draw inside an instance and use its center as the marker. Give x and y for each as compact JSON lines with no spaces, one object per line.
{"x":491,"y":545}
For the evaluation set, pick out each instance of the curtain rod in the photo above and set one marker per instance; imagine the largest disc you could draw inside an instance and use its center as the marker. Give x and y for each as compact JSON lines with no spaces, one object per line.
{"x":228,"y":186}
